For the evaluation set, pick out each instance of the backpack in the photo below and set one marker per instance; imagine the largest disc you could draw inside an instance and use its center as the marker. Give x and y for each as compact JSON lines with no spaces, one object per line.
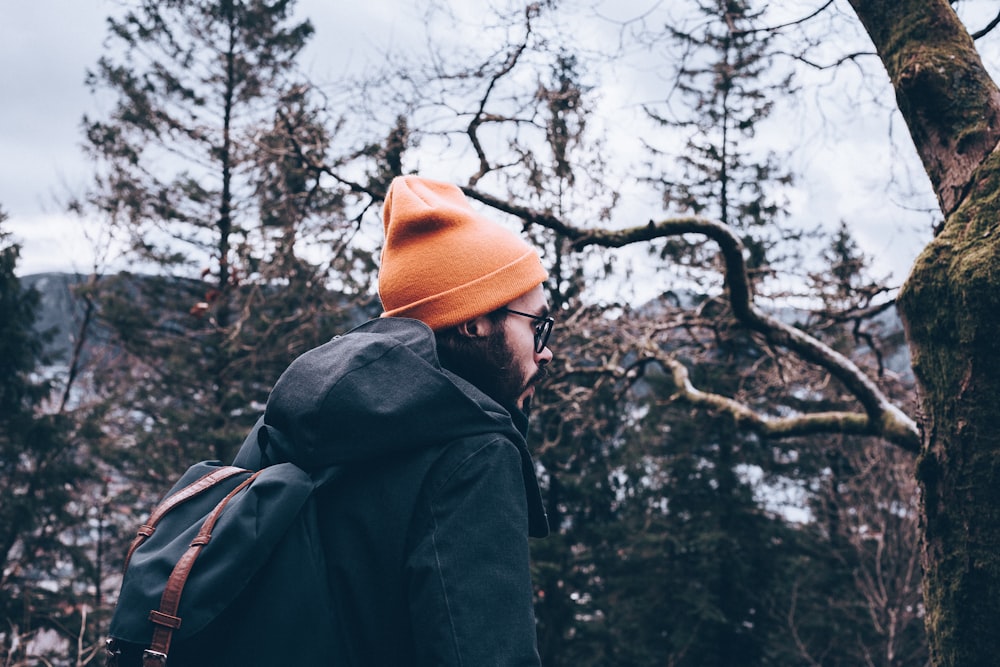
{"x":228,"y":570}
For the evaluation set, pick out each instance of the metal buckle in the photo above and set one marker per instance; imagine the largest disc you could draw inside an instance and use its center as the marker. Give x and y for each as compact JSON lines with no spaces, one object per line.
{"x":112,"y":652}
{"x":150,"y":654}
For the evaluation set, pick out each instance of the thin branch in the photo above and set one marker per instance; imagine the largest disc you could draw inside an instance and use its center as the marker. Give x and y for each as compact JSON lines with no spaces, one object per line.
{"x":836,"y":63}
{"x":82,"y":338}
{"x":782,"y":26}
{"x":317,"y":165}
{"x":480,"y":116}
{"x":988,"y":29}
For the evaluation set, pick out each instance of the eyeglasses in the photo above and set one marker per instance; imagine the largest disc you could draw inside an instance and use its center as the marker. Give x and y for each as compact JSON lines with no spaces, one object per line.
{"x":543,"y":327}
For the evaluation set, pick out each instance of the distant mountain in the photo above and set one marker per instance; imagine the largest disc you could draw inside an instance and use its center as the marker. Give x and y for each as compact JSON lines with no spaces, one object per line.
{"x":60,"y":311}
{"x":885,"y":328}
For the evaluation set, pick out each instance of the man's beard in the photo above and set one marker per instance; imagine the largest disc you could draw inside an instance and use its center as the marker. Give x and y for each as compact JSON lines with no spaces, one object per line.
{"x":489,"y":364}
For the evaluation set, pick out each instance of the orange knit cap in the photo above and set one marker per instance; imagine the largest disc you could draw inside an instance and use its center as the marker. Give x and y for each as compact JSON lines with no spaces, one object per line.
{"x":445,"y":264}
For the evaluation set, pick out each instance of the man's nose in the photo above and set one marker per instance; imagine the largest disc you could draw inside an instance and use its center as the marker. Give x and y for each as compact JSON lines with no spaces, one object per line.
{"x":544,"y":357}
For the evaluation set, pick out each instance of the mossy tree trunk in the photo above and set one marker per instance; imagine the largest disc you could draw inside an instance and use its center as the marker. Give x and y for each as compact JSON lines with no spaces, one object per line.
{"x":951,"y":307}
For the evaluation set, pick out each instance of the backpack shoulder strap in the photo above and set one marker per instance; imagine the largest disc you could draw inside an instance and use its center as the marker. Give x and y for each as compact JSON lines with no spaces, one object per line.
{"x":188,"y":492}
{"x":165,"y":618}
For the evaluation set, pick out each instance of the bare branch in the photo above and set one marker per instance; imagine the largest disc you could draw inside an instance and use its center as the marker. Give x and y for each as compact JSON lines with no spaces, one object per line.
{"x":988,"y":29}
{"x":317,"y":165}
{"x":81,"y":339}
{"x":836,"y":63}
{"x":807,"y":424}
{"x":480,"y":116}
{"x":881,"y":416}
{"x":781,"y":26}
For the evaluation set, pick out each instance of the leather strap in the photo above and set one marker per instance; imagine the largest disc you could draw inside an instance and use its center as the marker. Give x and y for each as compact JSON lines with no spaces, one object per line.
{"x":165,"y":619}
{"x":190,"y":491}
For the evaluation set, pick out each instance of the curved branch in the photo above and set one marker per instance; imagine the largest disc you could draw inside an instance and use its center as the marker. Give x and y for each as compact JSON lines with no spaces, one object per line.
{"x":881,"y":416}
{"x":988,"y":29}
{"x":782,"y":26}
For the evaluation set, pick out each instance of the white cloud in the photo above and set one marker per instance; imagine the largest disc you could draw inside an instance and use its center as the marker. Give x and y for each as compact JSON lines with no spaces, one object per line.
{"x":56,"y":242}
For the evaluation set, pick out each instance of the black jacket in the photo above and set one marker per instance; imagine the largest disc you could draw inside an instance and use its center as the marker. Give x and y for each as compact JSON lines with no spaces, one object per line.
{"x":426,"y":529}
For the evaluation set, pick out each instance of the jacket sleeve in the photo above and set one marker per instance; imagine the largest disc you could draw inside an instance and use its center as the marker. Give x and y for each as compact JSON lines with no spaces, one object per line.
{"x":469,"y":580}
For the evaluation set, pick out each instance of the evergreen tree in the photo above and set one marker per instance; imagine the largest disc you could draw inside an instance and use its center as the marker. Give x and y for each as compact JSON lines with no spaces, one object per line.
{"x":726,"y":82}
{"x":719,"y":548}
{"x":854,"y":567}
{"x":210,"y":163}
{"x":40,"y":468}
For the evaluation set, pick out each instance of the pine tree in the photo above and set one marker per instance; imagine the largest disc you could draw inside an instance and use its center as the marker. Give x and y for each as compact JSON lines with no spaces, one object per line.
{"x":210,"y":164}
{"x":39,"y":466}
{"x":719,"y":547}
{"x":725,"y":83}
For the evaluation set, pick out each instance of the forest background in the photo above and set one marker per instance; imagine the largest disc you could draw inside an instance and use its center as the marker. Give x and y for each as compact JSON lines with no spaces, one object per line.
{"x":732,"y":441}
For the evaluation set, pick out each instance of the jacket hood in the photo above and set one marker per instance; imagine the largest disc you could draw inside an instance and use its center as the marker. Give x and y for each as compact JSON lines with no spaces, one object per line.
{"x":379,"y":391}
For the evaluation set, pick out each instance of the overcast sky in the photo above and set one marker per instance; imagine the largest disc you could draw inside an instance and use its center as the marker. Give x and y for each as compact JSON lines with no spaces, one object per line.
{"x":44,"y":47}
{"x":47,"y":45}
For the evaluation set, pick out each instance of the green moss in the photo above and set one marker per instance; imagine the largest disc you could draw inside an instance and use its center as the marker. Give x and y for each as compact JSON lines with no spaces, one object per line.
{"x":951,"y":305}
{"x":954,"y":288}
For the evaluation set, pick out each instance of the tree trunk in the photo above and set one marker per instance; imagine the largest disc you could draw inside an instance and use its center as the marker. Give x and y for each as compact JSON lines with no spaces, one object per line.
{"x":950,"y":305}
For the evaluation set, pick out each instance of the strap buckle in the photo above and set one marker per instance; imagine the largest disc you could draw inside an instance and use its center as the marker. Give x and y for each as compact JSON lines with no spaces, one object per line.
{"x":150,"y":658}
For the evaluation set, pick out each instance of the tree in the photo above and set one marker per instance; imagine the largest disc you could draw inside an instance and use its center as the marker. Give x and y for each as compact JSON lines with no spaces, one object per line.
{"x":866,"y":504}
{"x":205,"y":167}
{"x":951,"y":308}
{"x":726,"y":79}
{"x":717,"y":568}
{"x":40,"y":468}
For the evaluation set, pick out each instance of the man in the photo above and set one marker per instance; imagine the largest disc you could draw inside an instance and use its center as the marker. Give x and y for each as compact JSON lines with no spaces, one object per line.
{"x":425,"y":533}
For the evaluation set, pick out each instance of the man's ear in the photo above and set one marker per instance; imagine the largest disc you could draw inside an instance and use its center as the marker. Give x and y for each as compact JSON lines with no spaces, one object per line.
{"x":474,"y":328}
